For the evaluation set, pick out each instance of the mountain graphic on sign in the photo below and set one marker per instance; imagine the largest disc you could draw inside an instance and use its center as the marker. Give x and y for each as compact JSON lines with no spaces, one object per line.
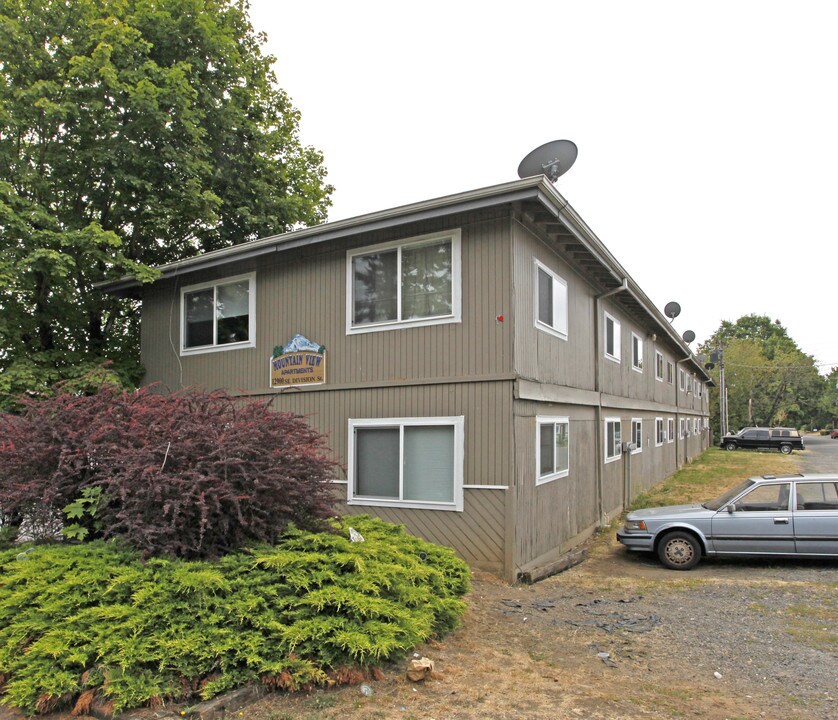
{"x":299,"y":343}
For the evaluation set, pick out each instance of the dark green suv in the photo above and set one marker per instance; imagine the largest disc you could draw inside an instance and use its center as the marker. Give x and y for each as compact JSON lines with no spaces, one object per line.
{"x":756,"y":438}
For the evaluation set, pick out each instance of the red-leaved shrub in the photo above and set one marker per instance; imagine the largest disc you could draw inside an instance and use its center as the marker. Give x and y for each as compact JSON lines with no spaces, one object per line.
{"x":189,"y":474}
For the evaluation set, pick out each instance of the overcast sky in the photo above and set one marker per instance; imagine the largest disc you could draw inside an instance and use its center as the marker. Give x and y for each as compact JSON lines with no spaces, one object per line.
{"x":707,"y":133}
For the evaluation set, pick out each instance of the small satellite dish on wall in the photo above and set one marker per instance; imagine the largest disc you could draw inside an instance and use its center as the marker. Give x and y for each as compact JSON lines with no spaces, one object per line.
{"x":552,"y":159}
{"x":672,"y":310}
{"x":688,"y":336}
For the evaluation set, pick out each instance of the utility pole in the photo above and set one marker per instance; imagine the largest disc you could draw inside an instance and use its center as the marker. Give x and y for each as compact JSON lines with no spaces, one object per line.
{"x":718,"y":355}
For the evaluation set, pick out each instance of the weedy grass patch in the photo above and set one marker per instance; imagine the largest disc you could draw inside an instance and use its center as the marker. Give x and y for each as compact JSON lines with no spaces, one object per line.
{"x":77,"y":621}
{"x":710,"y":474}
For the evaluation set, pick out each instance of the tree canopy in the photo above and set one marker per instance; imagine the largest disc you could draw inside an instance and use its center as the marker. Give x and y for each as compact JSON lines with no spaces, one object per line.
{"x":770,"y":380}
{"x":132,"y":133}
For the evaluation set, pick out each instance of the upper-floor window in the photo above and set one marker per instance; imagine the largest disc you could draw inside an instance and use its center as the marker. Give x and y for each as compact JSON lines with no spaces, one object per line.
{"x":404,"y":284}
{"x":660,"y":433}
{"x":658,"y":366}
{"x":682,"y":380}
{"x":670,"y":372}
{"x":550,"y":301}
{"x":218,"y":315}
{"x":407,"y":462}
{"x":612,"y":338}
{"x":613,"y":442}
{"x":636,"y":353}
{"x":553,"y":449}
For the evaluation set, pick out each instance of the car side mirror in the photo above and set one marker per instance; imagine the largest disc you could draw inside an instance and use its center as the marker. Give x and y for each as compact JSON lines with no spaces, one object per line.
{"x":731,"y":508}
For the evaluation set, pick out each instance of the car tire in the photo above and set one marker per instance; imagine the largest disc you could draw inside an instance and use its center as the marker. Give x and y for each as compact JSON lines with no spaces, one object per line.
{"x":679,"y":550}
{"x":785,"y":449}
{"x":730,"y":446}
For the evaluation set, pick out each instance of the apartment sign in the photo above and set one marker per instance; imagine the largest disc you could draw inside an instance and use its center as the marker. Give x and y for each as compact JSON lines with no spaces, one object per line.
{"x":300,"y":362}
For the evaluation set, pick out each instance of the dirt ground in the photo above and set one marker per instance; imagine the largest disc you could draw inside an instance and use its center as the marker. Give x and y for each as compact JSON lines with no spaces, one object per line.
{"x":728,"y":640}
{"x":731,"y":639}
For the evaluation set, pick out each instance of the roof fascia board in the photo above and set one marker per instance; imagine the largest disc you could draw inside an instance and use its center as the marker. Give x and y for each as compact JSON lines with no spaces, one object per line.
{"x":557,"y":205}
{"x":465,"y":202}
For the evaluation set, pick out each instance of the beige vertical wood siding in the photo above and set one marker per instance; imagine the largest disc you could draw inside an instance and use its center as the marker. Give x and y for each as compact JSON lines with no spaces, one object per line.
{"x":539,"y":355}
{"x":304,"y":291}
{"x":466,"y":368}
{"x":457,"y":369}
{"x":550,"y":514}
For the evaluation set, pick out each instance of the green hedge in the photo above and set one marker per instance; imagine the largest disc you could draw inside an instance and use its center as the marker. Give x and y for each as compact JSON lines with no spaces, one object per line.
{"x":95,"y":618}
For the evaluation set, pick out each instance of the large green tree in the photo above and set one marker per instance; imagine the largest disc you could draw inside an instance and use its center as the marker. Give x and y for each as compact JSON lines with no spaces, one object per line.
{"x":769,"y":379}
{"x":132,"y":133}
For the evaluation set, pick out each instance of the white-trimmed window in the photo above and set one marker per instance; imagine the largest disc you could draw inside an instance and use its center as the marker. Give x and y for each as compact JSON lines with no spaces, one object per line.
{"x":637,"y":435}
{"x":409,"y":283}
{"x":218,"y":315}
{"x":660,"y":434}
{"x":612,"y":338}
{"x":636,"y":352}
{"x":682,"y":380}
{"x":670,"y":430}
{"x":406,"y":462}
{"x":658,"y":366}
{"x":683,"y":427}
{"x":550,"y":301}
{"x":552,"y":452}
{"x":670,"y":372}
{"x":613,"y":441}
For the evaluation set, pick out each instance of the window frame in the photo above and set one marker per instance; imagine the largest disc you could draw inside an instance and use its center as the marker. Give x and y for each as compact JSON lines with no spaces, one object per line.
{"x":618,"y":438}
{"x":616,"y":340}
{"x":215,"y":284}
{"x":557,"y":280}
{"x":457,"y":422}
{"x":670,"y":372}
{"x":540,"y":421}
{"x":455,"y":316}
{"x":660,"y":432}
{"x":670,"y":429}
{"x":659,"y":365}
{"x":636,"y":352}
{"x":637,"y":434}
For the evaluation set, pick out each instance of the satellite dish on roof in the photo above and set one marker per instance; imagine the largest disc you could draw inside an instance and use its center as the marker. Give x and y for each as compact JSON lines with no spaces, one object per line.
{"x":552,"y":159}
{"x":688,"y":336}
{"x":672,"y":310}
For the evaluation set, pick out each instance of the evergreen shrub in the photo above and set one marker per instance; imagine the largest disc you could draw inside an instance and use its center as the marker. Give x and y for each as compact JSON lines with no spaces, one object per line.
{"x":79,"y":621}
{"x":189,"y":474}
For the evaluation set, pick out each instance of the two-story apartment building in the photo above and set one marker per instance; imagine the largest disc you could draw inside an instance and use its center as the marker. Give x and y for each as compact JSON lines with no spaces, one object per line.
{"x":486,"y":371}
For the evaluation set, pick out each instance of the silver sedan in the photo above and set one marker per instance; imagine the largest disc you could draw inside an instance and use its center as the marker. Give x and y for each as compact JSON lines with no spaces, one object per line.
{"x":769,"y":515}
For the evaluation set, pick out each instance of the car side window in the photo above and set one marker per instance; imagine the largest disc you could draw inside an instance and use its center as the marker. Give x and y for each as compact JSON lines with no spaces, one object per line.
{"x":817,"y":496}
{"x":750,"y":435}
{"x":765,"y":498}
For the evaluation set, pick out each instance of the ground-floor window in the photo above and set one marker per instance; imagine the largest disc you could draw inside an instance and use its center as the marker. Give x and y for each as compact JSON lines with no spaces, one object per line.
{"x":552,"y":454}
{"x":637,"y":434}
{"x":660,"y":433}
{"x":613,"y":446}
{"x":670,"y":429}
{"x":408,"y":462}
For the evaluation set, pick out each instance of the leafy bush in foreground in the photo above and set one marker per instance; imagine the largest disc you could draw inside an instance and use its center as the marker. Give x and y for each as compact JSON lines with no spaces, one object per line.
{"x":189,"y":474}
{"x":79,"y":620}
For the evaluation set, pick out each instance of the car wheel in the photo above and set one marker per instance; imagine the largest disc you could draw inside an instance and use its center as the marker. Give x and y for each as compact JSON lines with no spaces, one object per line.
{"x":679,"y":551}
{"x":785,"y":449}
{"x":730,"y":446}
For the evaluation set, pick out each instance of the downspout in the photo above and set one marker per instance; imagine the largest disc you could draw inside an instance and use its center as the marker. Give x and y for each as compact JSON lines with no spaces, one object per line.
{"x":600,"y":450}
{"x":678,"y":437}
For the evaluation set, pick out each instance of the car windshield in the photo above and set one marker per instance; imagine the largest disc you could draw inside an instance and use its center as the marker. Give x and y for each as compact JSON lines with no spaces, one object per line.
{"x":728,"y":495}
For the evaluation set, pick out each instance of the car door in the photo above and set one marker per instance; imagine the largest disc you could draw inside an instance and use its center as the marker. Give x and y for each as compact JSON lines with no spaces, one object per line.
{"x":816,"y":517}
{"x":760,"y":521}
